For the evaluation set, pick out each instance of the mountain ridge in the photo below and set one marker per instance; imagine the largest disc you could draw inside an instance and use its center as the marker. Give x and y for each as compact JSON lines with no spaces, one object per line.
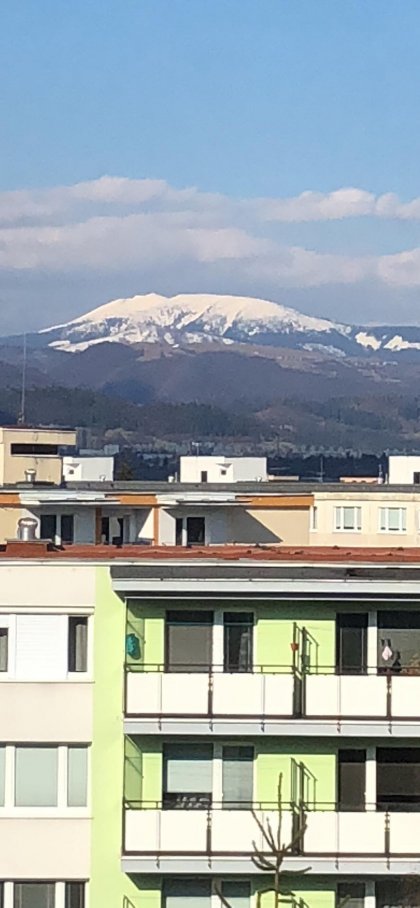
{"x":194,"y":319}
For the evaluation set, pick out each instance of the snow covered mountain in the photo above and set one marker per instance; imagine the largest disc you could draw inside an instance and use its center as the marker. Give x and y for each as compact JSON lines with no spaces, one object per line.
{"x":205,"y":318}
{"x":191,"y":319}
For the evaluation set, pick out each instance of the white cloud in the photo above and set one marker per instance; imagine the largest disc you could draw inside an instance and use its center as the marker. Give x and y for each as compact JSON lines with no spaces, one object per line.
{"x":168,"y":238}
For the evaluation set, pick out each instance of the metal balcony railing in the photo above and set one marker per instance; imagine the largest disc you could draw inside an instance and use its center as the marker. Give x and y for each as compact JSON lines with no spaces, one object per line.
{"x":321,"y":830}
{"x":271,"y":691}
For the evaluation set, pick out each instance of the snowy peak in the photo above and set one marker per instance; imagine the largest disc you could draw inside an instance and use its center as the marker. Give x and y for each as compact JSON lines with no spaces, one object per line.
{"x":187,"y":319}
{"x":199,"y":318}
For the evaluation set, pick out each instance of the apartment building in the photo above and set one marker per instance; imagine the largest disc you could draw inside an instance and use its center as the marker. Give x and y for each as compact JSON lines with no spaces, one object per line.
{"x":373,"y":515}
{"x":46,"y":732}
{"x":154,"y":698}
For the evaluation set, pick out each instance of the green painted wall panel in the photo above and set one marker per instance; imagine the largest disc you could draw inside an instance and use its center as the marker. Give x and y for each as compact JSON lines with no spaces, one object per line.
{"x":274,"y":633}
{"x":108,"y":884}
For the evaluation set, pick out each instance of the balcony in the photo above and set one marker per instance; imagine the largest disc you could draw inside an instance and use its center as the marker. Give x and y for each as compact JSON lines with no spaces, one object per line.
{"x":271,"y":699}
{"x":220,"y":839}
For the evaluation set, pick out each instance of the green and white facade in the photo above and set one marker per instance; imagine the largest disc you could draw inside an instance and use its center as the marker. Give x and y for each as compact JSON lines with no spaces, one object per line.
{"x":152,"y":703}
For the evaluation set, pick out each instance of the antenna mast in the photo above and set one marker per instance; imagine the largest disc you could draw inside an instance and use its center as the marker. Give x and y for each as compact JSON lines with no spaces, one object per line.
{"x":22,"y":414}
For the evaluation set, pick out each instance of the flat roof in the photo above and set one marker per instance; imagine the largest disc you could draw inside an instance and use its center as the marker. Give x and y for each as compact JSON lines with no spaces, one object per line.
{"x":340,"y":555}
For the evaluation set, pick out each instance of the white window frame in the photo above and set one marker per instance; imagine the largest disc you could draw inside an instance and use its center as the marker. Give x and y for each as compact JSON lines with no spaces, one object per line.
{"x":339,"y":518}
{"x":60,"y":891}
{"x":61,"y":810}
{"x":314,"y":518}
{"x":9,"y":620}
{"x":383,"y":519}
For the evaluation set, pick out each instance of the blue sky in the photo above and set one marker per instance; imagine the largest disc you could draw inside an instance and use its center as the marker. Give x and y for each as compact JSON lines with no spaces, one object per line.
{"x":238,"y":100}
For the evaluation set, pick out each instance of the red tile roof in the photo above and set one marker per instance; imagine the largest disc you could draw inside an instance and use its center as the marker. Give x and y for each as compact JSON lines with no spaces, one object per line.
{"x":38,"y":550}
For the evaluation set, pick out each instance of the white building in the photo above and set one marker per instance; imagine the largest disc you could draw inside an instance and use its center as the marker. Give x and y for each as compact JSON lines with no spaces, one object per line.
{"x":404,"y":469}
{"x":88,"y":468}
{"x":223,"y":469}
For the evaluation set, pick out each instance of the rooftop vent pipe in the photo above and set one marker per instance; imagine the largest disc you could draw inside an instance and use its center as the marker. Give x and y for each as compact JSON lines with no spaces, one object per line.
{"x":30,"y":476}
{"x":27,"y":529}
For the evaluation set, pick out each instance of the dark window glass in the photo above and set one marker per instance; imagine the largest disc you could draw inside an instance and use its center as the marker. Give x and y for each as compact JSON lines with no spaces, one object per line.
{"x":34,"y":895}
{"x":195,"y":531}
{"x":416,"y":479}
{"x":67,"y":529}
{"x":34,"y":449}
{"x":351,"y":779}
{"x":238,"y":634}
{"x":204,"y":475}
{"x":4,"y":648}
{"x":188,"y":641}
{"x":398,"y":778}
{"x":352,"y":895}
{"x":237,"y":893}
{"x":105,"y":530}
{"x":187,"y":776}
{"x":237,"y":777}
{"x":185,"y":893}
{"x":399,"y":641}
{"x":48,"y":526}
{"x":398,"y":893}
{"x":75,"y":895}
{"x":1,"y":895}
{"x":77,"y":644}
{"x":351,"y":644}
{"x":178,"y":530}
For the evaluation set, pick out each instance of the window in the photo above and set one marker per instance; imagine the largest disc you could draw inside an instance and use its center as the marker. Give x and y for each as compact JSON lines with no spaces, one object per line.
{"x":237,"y":893}
{"x":34,"y":895}
{"x":392,"y":520}
{"x":179,"y":524}
{"x":2,"y":774}
{"x":416,"y":479}
{"x":187,"y":894}
{"x":33,"y":450}
{"x":351,"y":894}
{"x":351,"y":779}
{"x":77,"y":776}
{"x":351,"y":643}
{"x":48,"y":526}
{"x":77,"y":644}
{"x":187,"y":776}
{"x":237,"y":777}
{"x":36,"y":776}
{"x":398,"y":893}
{"x":314,"y":518}
{"x":195,"y":531}
{"x":188,"y":641}
{"x":67,"y":529}
{"x":1,"y":895}
{"x":237,"y":641}
{"x":4,"y":648}
{"x":204,"y":476}
{"x":398,"y":778}
{"x":399,"y":641}
{"x":75,"y":895}
{"x":348,"y":519}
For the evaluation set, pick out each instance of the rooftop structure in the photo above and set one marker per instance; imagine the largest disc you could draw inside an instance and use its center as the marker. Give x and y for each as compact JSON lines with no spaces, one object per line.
{"x":216,"y":469}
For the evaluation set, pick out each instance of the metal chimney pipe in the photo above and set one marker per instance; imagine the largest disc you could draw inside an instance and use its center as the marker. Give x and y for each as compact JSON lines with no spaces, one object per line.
{"x":27,"y":529}
{"x":30,"y":476}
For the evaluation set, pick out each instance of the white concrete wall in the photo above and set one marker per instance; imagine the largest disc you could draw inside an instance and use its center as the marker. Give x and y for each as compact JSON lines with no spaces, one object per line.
{"x":61,"y":587}
{"x":401,"y":469}
{"x":88,"y":469}
{"x":223,"y":469}
{"x":46,"y":712}
{"x":44,"y":849}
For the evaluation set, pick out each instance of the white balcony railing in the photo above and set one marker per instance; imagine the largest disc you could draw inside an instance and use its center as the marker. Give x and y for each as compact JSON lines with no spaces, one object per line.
{"x":233,"y":832}
{"x":155,"y":693}
{"x":274,"y":692}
